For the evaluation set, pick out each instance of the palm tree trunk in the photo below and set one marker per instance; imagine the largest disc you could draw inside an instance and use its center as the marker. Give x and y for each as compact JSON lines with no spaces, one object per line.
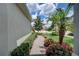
{"x":61,"y":34}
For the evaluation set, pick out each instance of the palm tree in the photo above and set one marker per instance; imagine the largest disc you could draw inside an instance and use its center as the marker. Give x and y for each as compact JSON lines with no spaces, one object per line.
{"x":61,"y":23}
{"x":59,"y":18}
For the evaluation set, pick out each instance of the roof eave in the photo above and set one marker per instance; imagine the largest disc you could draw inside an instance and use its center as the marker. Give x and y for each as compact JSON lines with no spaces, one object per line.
{"x":24,"y":9}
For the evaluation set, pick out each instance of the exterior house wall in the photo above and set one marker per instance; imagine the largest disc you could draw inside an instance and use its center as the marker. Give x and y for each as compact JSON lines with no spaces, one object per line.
{"x":3,"y":30}
{"x":76,"y":29}
{"x":13,"y":26}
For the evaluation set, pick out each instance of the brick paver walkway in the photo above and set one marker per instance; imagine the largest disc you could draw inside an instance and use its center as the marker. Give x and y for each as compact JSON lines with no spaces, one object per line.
{"x":38,"y":48}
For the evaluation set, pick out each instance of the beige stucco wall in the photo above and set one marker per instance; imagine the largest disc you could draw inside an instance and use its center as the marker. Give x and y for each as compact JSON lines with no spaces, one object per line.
{"x":13,"y":26}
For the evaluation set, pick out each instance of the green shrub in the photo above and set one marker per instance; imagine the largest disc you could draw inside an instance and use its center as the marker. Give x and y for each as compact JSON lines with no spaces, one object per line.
{"x":31,"y":39}
{"x":70,"y":34}
{"x":25,"y":48}
{"x":54,"y":34}
{"x":39,"y":33}
{"x":49,"y":29}
{"x":22,"y":50}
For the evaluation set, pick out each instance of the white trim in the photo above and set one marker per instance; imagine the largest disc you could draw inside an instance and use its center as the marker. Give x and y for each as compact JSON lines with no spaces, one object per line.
{"x":21,"y":40}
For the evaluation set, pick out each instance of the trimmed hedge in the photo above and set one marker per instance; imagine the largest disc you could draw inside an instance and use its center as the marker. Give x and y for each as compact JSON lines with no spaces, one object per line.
{"x":31,"y":39}
{"x":71,"y":34}
{"x":54,"y":34}
{"x":24,"y":48}
{"x":39,"y":33}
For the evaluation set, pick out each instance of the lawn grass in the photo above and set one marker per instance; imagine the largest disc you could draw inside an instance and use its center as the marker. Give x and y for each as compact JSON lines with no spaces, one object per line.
{"x":67,"y":40}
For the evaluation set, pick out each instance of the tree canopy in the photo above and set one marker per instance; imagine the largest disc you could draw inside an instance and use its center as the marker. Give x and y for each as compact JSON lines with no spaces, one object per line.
{"x":38,"y":24}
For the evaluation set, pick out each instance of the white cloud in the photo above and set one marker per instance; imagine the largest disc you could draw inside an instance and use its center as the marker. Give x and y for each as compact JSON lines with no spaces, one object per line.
{"x":70,"y":13}
{"x":47,"y":24}
{"x":32,"y":7}
{"x":44,"y":21}
{"x":34,"y":16}
{"x":32,"y":23}
{"x":45,"y":9}
{"x":42,"y":12}
{"x":50,"y":22}
{"x":50,"y":8}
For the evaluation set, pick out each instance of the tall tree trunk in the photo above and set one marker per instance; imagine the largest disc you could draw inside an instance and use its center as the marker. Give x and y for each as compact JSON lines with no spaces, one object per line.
{"x":61,"y":34}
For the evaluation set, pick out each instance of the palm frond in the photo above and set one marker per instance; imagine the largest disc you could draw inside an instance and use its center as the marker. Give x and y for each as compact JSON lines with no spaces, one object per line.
{"x":69,"y":7}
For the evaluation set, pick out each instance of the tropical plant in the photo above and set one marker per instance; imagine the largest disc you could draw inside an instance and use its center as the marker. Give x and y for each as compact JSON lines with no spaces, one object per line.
{"x":59,"y":20}
{"x":70,"y":25}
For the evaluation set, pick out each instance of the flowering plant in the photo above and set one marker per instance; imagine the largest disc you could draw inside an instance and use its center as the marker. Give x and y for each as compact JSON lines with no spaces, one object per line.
{"x":59,"y":50}
{"x":47,"y":42}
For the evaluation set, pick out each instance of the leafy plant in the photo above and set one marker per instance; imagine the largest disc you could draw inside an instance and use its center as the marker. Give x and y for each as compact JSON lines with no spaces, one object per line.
{"x":47,"y":42}
{"x":22,"y":50}
{"x":31,"y":39}
{"x":59,"y":50}
{"x":54,"y":33}
{"x":38,"y":24}
{"x":70,"y":34}
{"x":59,"y":20}
{"x":39,"y":33}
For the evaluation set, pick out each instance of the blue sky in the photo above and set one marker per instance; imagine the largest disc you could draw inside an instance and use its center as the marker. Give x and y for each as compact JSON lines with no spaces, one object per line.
{"x":43,"y":10}
{"x":62,"y":5}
